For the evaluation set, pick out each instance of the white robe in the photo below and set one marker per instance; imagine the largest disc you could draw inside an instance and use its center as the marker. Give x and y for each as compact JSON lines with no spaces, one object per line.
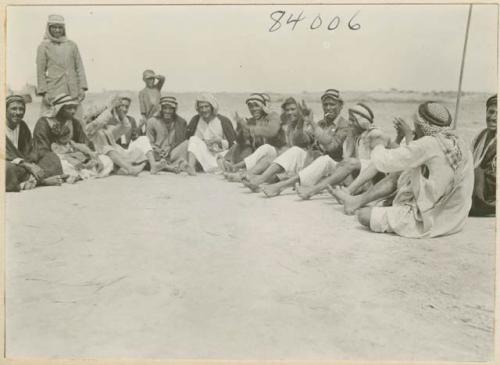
{"x":198,"y":147}
{"x":424,"y":207}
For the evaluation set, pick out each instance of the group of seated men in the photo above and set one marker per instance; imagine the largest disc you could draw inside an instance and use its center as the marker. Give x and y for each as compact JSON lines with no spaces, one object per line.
{"x":423,"y":183}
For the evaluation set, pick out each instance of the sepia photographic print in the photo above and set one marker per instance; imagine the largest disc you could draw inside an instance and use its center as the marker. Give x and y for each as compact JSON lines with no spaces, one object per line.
{"x":250,"y":182}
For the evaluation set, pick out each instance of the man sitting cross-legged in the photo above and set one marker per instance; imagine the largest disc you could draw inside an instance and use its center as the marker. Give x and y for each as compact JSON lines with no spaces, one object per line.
{"x":25,"y":168}
{"x":109,"y":126}
{"x":434,"y":189}
{"x":166,"y":132}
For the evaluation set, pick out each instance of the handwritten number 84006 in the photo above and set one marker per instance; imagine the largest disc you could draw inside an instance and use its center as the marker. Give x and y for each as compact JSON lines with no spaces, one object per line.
{"x":278,"y":17}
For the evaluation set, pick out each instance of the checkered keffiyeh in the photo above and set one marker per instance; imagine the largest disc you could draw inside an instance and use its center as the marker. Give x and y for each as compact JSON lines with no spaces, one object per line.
{"x":434,"y":120}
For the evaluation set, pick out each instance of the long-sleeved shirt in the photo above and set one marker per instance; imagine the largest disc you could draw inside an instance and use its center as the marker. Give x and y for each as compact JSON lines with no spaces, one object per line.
{"x":331,"y":138}
{"x":166,"y":136}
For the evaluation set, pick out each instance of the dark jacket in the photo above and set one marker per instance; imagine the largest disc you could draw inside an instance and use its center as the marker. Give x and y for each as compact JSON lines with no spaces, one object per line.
{"x":44,"y":136}
{"x":227,"y":128}
{"x":24,"y":148}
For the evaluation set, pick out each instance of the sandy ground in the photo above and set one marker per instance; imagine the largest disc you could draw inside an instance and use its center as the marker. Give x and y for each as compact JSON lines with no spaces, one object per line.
{"x":181,"y":267}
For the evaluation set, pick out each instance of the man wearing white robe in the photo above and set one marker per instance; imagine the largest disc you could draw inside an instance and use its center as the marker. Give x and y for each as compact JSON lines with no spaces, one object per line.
{"x":210,"y":135}
{"x":434,"y":190}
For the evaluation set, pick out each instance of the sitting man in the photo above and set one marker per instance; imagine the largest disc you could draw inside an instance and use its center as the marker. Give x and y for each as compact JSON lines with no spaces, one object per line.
{"x":108,"y":127}
{"x":328,"y":136}
{"x":24,"y":168}
{"x":485,"y":164}
{"x":326,"y":171}
{"x":166,"y":132}
{"x":209,"y":134}
{"x":134,"y":132}
{"x":296,"y":155}
{"x":434,"y":189}
{"x":266,"y":129}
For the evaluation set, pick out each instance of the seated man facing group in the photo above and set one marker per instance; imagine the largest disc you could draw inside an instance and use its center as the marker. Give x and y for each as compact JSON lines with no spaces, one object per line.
{"x":25,"y":168}
{"x":432,"y":176}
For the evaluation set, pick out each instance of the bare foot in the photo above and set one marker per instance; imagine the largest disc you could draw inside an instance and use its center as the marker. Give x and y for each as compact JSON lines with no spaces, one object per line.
{"x":336,"y":193}
{"x":72,"y":179}
{"x":233,"y":176}
{"x":305,"y":192}
{"x":53,"y":181}
{"x":135,"y":170}
{"x":352,"y":204}
{"x":271,"y":190}
{"x":186,"y":167}
{"x":252,"y":186}
{"x":157,"y":167}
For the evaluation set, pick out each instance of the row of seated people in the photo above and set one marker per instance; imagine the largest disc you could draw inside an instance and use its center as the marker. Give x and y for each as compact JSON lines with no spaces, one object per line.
{"x":422,"y":184}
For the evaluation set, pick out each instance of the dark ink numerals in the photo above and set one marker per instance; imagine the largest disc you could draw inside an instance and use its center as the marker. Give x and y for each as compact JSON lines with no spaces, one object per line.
{"x":278,"y":17}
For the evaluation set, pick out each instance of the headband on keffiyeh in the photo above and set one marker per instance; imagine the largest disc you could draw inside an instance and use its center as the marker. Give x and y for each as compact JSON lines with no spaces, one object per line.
{"x":15,"y":98}
{"x":170,"y":101}
{"x":262,"y":99}
{"x":360,"y":110}
{"x":434,"y":120}
{"x":492,"y":100}
{"x":59,"y":102}
{"x":332,"y":94}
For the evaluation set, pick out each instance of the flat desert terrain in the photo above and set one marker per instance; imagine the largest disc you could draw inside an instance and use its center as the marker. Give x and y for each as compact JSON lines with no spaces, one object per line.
{"x":172,"y":266}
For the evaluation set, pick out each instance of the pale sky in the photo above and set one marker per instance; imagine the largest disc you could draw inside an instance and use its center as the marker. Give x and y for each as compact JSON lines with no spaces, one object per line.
{"x":229,"y":48}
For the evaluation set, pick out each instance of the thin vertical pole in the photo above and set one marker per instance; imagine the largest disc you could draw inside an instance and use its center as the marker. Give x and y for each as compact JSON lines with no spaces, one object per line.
{"x":455,"y":119}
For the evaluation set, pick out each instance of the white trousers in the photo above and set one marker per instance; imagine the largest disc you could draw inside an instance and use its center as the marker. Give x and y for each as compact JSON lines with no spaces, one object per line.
{"x":318,"y":169}
{"x":142,"y":144}
{"x":85,"y":174}
{"x":264,"y":151}
{"x":206,"y":158}
{"x":292,"y":160}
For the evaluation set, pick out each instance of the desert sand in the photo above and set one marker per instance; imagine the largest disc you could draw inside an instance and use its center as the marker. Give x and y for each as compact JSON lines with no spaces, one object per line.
{"x":173,"y":266}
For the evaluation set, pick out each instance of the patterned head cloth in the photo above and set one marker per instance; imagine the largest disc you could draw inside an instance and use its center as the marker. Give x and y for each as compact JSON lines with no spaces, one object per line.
{"x":332,"y":94}
{"x":360,"y":110}
{"x":492,"y":100}
{"x":260,"y":98}
{"x":60,"y":101}
{"x":169,"y":100}
{"x":15,"y":98}
{"x":434,"y":120}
